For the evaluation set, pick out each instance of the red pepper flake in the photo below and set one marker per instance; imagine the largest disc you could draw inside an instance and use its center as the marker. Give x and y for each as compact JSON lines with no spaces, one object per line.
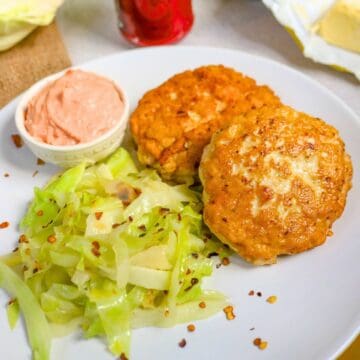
{"x":4,"y":225}
{"x":259,"y":293}
{"x":182,"y":343}
{"x":35,"y":173}
{"x":6,"y":175}
{"x":40,"y":162}
{"x":130,"y":218}
{"x":229,"y":312}
{"x":251,"y":293}
{"x":179,"y":216}
{"x":163,"y":211}
{"x":95,"y":252}
{"x":51,"y":239}
{"x":116,"y":225}
{"x":191,"y":328}
{"x":225,"y":261}
{"x":40,"y":213}
{"x":142,"y":227}
{"x":96,"y":248}
{"x":202,"y":305}
{"x":257,"y":341}
{"x":123,"y":357}
{"x":11,"y":301}
{"x":126,"y":202}
{"x":23,"y":239}
{"x":98,"y":215}
{"x":262,"y":345}
{"x":17,"y":140}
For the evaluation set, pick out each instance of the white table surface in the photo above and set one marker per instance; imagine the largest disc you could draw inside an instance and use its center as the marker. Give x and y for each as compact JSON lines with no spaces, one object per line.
{"x":89,"y":28}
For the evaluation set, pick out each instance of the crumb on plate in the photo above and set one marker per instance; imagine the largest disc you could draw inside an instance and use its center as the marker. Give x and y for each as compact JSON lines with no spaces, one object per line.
{"x":271,"y":299}
{"x":202,"y":304}
{"x":4,"y":225}
{"x":229,"y":312}
{"x":262,"y":345}
{"x":182,"y":343}
{"x":17,"y":140}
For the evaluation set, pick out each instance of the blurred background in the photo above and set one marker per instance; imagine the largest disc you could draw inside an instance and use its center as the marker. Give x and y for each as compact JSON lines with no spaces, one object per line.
{"x":89,"y":29}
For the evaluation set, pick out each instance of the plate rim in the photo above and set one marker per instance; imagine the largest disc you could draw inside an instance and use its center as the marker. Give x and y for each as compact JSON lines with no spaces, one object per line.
{"x":180,"y":48}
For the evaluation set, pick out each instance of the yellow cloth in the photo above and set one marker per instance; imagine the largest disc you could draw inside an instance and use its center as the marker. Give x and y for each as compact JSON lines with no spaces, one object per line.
{"x":352,"y":352}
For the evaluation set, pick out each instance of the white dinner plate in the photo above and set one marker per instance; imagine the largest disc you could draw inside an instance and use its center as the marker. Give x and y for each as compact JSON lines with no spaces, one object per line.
{"x":318,"y":309}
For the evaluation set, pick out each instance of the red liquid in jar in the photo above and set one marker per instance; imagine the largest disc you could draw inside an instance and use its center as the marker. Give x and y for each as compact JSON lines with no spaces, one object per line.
{"x":155,"y":22}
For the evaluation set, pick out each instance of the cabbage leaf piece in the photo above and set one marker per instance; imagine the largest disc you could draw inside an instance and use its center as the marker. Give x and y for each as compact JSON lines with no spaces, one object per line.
{"x":37,"y":326}
{"x":108,"y":247}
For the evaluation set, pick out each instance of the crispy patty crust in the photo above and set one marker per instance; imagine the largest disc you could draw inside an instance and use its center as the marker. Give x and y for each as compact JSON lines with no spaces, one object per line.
{"x":274,"y":182}
{"x":173,"y":122}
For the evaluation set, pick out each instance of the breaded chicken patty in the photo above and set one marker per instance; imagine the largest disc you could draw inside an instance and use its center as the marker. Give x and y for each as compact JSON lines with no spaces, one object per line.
{"x":274,"y":182}
{"x":173,"y":122}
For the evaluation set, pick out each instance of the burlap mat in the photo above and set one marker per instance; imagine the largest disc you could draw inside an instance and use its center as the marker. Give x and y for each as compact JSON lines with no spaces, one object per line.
{"x":40,"y":54}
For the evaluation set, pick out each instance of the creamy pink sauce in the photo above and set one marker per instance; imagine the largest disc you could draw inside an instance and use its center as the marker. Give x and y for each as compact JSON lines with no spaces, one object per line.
{"x":77,"y":108}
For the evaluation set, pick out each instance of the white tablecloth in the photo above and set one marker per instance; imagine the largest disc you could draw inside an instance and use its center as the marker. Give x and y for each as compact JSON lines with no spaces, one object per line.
{"x":90,"y":31}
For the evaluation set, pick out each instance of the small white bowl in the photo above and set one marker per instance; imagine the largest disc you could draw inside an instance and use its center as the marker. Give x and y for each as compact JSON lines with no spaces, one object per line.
{"x":71,"y":155}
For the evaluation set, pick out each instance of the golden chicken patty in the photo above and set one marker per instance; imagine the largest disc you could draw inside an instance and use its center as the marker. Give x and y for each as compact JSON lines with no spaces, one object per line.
{"x":274,"y":182}
{"x":174,"y":121}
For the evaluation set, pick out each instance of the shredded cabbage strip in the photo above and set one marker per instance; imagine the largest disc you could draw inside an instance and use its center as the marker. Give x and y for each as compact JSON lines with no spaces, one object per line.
{"x":112,"y":248}
{"x":37,"y":326}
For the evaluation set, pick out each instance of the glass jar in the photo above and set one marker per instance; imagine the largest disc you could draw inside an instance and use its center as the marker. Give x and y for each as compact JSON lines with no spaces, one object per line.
{"x":154,"y":22}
